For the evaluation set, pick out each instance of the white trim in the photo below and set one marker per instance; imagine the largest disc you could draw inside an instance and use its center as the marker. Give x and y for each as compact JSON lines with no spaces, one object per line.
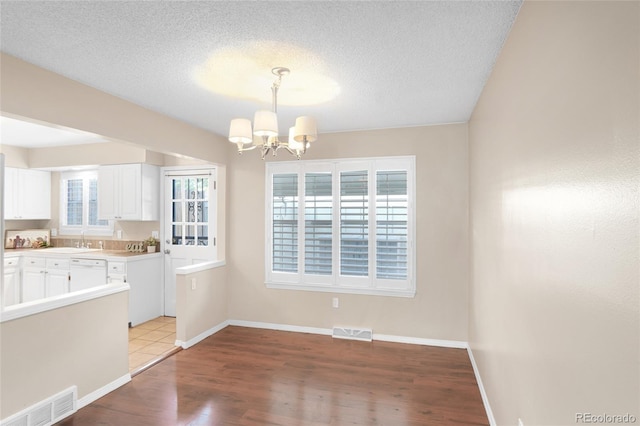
{"x":199,"y":267}
{"x":37,"y":306}
{"x":200,"y":337}
{"x":367,"y":291}
{"x":328,"y":332}
{"x":483,"y":393}
{"x":421,"y":341}
{"x":281,"y":327}
{"x":99,"y":393}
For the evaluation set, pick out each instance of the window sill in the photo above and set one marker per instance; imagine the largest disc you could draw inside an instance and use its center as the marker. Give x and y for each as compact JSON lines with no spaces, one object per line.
{"x":346,"y":290}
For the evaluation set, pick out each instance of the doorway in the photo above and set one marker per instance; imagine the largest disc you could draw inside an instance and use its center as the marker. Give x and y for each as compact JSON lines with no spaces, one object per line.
{"x":189,"y":224}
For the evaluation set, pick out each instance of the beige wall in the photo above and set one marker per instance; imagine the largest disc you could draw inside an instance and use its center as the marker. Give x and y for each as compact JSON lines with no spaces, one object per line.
{"x":84,"y":344}
{"x":203,"y":308}
{"x":37,"y":94}
{"x":15,"y":156}
{"x":439,"y":309}
{"x":554,"y":172}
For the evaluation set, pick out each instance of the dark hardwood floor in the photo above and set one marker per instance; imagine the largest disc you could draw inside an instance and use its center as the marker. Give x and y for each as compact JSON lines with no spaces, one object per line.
{"x":244,"y":376}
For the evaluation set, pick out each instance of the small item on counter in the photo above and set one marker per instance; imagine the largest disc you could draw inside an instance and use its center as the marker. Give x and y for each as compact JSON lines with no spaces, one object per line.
{"x":26,"y":238}
{"x":135,"y":247}
{"x":151,"y":243}
{"x":40,"y":242}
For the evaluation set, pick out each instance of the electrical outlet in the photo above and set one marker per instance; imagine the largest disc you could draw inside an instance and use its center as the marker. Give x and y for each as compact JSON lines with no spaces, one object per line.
{"x":119,"y":234}
{"x":520,"y":423}
{"x":193,"y":283}
{"x":155,"y":234}
{"x":335,"y":302}
{"x":54,"y":232}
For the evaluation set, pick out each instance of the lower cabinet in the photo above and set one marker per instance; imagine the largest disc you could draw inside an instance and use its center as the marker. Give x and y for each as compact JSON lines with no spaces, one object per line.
{"x":11,"y":283}
{"x":144,"y":276}
{"x":33,"y":279}
{"x":44,"y":277}
{"x":57,"y":277}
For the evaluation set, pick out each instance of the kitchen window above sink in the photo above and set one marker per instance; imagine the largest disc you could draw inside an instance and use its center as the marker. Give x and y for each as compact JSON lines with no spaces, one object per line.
{"x":79,"y":205}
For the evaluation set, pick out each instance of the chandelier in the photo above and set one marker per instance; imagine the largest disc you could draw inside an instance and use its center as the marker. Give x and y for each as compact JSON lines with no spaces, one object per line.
{"x":265,"y":128}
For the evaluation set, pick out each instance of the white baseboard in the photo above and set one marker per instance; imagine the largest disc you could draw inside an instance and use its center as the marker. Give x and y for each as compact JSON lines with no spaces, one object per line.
{"x":329,"y":332}
{"x":200,"y":337}
{"x":483,"y":394}
{"x":99,"y":393}
{"x":420,"y":341}
{"x":281,"y":327}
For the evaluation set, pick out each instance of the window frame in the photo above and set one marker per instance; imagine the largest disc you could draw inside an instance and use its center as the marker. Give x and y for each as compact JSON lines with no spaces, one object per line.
{"x":85,"y":228}
{"x":335,"y":282}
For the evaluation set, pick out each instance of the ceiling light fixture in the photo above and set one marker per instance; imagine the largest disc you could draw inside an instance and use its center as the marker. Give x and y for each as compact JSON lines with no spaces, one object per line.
{"x":265,"y":128}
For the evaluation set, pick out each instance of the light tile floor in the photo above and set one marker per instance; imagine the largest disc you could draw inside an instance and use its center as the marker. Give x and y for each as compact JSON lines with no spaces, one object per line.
{"x":151,"y":340}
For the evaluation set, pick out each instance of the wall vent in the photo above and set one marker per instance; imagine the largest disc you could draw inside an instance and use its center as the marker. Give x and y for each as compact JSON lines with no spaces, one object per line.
{"x":365,"y":334}
{"x":46,"y":412}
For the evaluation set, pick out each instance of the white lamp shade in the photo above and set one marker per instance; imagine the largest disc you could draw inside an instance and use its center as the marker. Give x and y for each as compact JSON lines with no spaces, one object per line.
{"x":293,"y":144}
{"x":306,"y":126}
{"x":265,"y":123}
{"x":240,"y":131}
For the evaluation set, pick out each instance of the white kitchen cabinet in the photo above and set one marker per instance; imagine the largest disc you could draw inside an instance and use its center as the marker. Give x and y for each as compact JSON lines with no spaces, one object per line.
{"x":144,"y":276}
{"x":27,"y":194}
{"x":44,"y":277}
{"x":11,"y":283}
{"x":57,"y":277}
{"x":128,"y":192}
{"x":33,"y":279}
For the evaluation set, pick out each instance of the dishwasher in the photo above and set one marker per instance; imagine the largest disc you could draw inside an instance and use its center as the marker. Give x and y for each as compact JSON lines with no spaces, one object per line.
{"x":87,"y":273}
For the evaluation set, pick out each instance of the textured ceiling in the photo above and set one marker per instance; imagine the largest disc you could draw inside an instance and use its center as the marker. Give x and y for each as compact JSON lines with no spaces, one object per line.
{"x":395,"y":64}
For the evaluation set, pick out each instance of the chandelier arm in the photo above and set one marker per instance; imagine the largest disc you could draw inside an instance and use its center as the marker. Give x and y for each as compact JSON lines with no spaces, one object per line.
{"x":242,"y":149}
{"x":264,"y":150}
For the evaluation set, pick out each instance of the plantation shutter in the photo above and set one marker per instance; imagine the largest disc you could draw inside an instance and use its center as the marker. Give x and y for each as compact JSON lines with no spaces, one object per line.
{"x":391,"y":224}
{"x":354,"y":223}
{"x":318,"y":224}
{"x":285,"y":222}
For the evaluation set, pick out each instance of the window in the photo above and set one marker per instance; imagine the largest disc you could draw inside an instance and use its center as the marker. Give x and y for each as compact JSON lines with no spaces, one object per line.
{"x":79,"y":205}
{"x":342,"y":226}
{"x":190,"y":210}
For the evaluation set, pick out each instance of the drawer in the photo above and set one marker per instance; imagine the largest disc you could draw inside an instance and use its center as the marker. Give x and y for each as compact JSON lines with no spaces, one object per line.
{"x":34,"y":262}
{"x":11,"y":261}
{"x":58,"y":264}
{"x":116,"y":268}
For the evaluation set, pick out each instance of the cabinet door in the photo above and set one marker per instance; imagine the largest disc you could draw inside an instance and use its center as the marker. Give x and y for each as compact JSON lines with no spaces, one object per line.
{"x":34,"y":198}
{"x":130,"y":192}
{"x":33,"y":284}
{"x":11,"y":287}
{"x":27,"y":194}
{"x":11,"y":193}
{"x":57,"y":282}
{"x":108,"y":192}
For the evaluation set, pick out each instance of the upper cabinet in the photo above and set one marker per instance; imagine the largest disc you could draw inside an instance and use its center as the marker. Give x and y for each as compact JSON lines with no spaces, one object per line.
{"x":27,"y":194}
{"x":129,"y":192}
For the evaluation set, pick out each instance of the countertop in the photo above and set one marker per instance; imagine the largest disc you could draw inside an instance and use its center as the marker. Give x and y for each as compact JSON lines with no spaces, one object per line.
{"x":93,"y":254}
